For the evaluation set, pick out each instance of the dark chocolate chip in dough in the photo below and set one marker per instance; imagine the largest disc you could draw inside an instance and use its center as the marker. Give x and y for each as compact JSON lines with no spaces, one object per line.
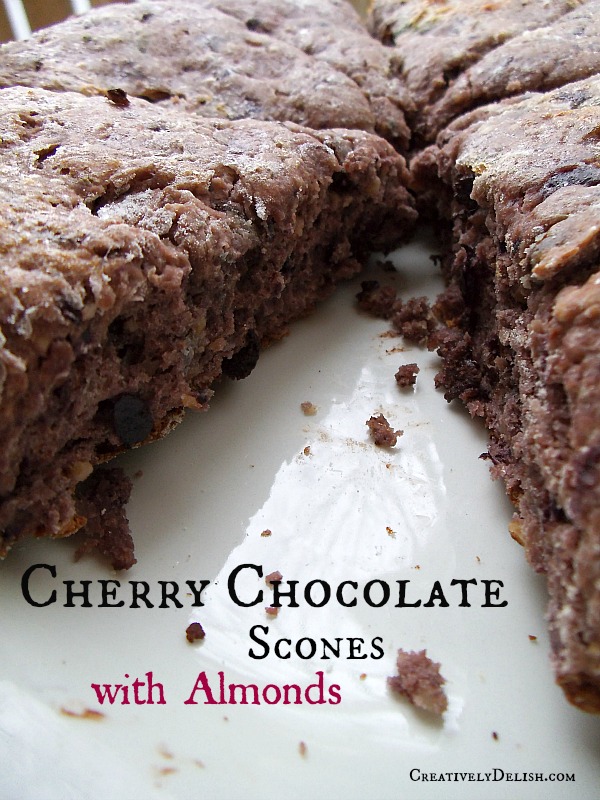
{"x":132,"y":419}
{"x":243,"y":362}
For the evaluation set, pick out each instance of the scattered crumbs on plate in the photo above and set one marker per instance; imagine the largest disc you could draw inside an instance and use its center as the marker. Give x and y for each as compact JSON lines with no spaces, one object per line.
{"x":495,"y":736}
{"x":363,"y":676}
{"x":225,"y":719}
{"x":194,"y":632}
{"x":302,"y":749}
{"x":197,"y":763}
{"x":165,"y":752}
{"x":86,"y":713}
{"x":272,"y":611}
{"x":388,"y":465}
{"x":477,"y":559}
{"x":273,"y":576}
{"x":532,"y":638}
{"x":382,"y":432}
{"x":306,"y":450}
{"x":266,"y":532}
{"x":308,"y":409}
{"x":390,"y":532}
{"x":417,"y":566}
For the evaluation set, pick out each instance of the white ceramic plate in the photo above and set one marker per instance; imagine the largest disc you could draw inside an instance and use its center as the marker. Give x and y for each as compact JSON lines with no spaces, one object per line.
{"x":343,"y":510}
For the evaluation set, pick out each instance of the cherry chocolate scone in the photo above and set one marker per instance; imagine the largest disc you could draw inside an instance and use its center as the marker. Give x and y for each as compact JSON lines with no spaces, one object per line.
{"x":519,"y":188}
{"x":145,"y":253}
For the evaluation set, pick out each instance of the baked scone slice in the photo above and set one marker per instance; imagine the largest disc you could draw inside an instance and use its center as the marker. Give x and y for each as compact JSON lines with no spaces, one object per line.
{"x":196,"y":57}
{"x":460,"y":54}
{"x":521,"y":185}
{"x":143,"y":253}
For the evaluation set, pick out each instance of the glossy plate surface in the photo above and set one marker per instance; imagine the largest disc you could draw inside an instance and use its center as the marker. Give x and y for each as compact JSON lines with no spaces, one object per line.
{"x":338,"y":509}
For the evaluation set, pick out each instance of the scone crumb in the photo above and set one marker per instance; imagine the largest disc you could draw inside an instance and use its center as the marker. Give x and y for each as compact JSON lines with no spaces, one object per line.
{"x":165,"y":752}
{"x":87,"y":713}
{"x":382,"y":432}
{"x":308,"y":409}
{"x":273,"y":576}
{"x":376,"y":299}
{"x":406,"y":376}
{"x":194,"y":632}
{"x":420,"y":681}
{"x":167,"y":770}
{"x":414,"y":319}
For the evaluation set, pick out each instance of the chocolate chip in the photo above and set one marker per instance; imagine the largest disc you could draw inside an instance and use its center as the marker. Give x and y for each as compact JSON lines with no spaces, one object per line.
{"x":243,"y":362}
{"x":132,"y":419}
{"x":341,"y":183}
{"x":582,"y":175}
{"x":118,"y":97}
{"x":69,"y":311}
{"x":256,"y":25}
